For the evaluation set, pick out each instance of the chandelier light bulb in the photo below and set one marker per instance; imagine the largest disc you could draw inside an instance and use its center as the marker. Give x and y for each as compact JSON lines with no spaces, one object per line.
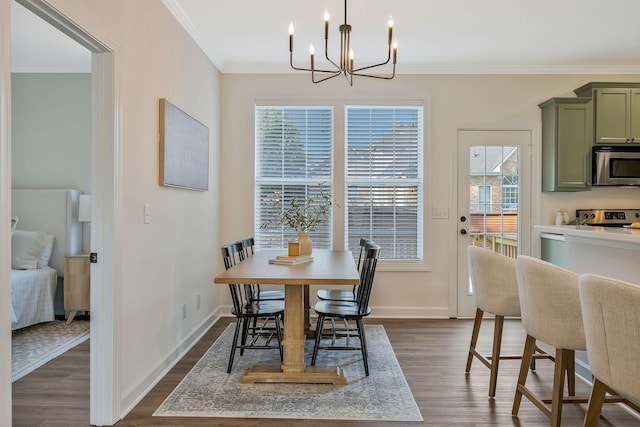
{"x":391,"y":22}
{"x":311,"y":49}
{"x":326,"y":15}
{"x":351,"y":54}
{"x":291,"y":29}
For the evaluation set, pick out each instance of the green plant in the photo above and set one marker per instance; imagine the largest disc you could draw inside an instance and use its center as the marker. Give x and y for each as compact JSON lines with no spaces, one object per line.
{"x":304,"y":216}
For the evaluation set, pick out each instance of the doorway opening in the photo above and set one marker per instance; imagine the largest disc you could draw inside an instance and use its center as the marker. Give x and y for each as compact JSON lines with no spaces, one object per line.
{"x":105,"y":182}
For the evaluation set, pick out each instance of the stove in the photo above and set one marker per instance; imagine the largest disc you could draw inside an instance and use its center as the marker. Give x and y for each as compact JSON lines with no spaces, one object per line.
{"x":608,"y":217}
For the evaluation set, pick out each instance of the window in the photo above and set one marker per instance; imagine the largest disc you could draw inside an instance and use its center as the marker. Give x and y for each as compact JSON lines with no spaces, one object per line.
{"x":510,"y":192}
{"x":293,"y":155}
{"x":383,"y":194}
{"x":383,"y":182}
{"x":484,"y":198}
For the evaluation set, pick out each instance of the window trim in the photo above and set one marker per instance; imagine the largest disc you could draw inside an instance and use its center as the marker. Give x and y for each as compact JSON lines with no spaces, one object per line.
{"x":418,"y":181}
{"x":339,"y":164}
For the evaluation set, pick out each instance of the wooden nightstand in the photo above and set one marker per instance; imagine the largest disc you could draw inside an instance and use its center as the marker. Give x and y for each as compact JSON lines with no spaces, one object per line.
{"x":77,"y":284}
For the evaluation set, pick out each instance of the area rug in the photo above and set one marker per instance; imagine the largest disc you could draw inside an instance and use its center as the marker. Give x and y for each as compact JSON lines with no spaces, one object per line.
{"x":208,"y":391}
{"x":35,"y":345}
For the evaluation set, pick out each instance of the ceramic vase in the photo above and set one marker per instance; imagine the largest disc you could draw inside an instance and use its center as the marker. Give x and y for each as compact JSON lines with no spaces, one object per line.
{"x":305,"y":243}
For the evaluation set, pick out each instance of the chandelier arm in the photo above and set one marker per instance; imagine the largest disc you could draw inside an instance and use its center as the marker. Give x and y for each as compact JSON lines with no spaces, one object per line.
{"x":376,"y":76}
{"x":375,"y":65}
{"x":337,"y":73}
{"x":310,"y":69}
{"x":326,"y":55}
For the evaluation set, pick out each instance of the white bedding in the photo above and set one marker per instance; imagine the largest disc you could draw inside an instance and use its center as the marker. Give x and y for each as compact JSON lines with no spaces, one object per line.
{"x":32,"y":293}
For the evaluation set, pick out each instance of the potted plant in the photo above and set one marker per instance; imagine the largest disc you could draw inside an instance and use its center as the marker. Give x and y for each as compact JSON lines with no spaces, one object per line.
{"x":303,"y":216}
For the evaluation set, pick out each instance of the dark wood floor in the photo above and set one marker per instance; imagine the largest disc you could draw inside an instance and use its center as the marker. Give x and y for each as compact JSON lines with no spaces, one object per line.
{"x":432,"y":354}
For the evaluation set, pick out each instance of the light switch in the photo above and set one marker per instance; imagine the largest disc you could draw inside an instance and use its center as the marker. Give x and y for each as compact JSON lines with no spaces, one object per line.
{"x":147,"y":213}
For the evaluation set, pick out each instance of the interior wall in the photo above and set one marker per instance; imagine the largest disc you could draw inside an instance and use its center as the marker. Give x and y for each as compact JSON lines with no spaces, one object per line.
{"x":51,"y":131}
{"x":165,"y":264}
{"x":457,"y":101}
{"x":5,"y":214}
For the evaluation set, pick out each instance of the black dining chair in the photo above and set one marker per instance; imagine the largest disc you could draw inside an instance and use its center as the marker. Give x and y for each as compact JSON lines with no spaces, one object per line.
{"x":350,"y":311}
{"x":257,"y":294}
{"x":342,"y":295}
{"x":246,"y":310}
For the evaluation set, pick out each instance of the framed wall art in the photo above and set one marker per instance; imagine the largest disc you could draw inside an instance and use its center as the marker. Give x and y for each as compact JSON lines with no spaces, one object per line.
{"x":184,"y":149}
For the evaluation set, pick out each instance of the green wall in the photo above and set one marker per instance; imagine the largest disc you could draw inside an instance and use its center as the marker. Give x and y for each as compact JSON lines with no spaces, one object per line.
{"x":51,"y":131}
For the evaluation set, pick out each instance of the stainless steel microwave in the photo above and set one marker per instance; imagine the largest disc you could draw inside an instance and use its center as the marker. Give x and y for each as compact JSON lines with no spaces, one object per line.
{"x":616,"y":165}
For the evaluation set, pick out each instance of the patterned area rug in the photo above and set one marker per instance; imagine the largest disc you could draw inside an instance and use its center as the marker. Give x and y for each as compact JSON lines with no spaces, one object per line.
{"x":208,"y":391}
{"x":35,"y":345}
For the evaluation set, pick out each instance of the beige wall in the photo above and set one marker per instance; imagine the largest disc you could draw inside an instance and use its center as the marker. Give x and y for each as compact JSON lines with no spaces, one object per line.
{"x":168,"y":262}
{"x":457,"y":101}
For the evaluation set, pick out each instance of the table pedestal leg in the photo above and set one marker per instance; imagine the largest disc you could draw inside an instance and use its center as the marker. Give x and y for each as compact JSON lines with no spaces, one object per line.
{"x":309,"y":333}
{"x":293,"y":369}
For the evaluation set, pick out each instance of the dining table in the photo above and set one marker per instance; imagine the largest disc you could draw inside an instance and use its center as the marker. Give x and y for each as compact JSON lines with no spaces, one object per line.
{"x":327,"y":268}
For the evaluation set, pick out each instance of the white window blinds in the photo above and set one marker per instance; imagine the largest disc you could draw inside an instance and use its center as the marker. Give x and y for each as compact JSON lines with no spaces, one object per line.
{"x":293,"y":155}
{"x":384,"y":180}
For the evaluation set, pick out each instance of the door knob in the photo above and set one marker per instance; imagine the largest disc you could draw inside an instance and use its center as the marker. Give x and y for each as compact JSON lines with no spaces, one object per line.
{"x":463,"y":231}
{"x":463,"y":218}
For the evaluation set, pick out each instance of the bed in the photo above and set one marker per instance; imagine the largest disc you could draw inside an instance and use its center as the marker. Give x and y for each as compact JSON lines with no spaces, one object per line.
{"x":43,"y":216}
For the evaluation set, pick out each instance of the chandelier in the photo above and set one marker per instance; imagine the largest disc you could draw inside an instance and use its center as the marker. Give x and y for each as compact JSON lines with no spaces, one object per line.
{"x":345,"y":63}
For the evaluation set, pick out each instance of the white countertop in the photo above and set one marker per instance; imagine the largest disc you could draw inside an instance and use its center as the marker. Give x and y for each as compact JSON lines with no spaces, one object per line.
{"x":612,"y":234}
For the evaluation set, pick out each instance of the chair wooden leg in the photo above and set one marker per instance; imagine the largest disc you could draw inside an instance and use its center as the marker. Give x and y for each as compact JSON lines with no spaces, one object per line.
{"x":319,"y":326}
{"x":474,"y":338}
{"x":527,"y":355}
{"x":558,"y":386}
{"x":533,"y":361}
{"x":571,"y":372}
{"x":233,"y":345}
{"x":495,"y":354}
{"x":595,"y":403}
{"x":363,"y":345}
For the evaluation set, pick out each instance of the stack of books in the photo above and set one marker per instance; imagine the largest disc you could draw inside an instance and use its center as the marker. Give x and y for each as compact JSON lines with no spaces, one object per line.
{"x":291,"y":260}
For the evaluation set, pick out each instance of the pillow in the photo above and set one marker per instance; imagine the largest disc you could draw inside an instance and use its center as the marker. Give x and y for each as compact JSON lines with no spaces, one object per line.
{"x":45,"y":255}
{"x":31,"y":249}
{"x":14,"y":222}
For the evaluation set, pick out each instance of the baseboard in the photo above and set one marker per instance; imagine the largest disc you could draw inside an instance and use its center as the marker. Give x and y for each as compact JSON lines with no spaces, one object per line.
{"x":134,"y":395}
{"x":387,"y":312}
{"x":583,"y":369}
{"x":409,"y":313}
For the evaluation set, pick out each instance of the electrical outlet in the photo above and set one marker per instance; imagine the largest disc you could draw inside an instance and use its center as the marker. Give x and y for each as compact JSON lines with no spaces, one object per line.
{"x":198,"y":302}
{"x":184,"y":311}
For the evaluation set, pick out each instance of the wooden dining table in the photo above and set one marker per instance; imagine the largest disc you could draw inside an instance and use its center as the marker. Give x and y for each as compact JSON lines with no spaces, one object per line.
{"x":327,"y":268}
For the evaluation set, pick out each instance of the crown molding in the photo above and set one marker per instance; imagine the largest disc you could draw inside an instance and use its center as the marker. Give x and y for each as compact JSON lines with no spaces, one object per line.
{"x":272,"y":68}
{"x":183,"y":19}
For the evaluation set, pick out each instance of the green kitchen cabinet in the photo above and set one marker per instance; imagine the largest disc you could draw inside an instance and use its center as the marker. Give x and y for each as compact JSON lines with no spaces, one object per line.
{"x":567,"y":137}
{"x":616,"y":111}
{"x":553,"y":249}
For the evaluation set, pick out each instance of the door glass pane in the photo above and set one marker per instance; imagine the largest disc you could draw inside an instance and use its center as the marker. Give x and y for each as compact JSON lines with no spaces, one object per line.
{"x":493,"y":198}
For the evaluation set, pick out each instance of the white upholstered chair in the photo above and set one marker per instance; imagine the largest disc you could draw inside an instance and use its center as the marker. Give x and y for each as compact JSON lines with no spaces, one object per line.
{"x":611,"y":312}
{"x":495,"y":291}
{"x":551,"y":313}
